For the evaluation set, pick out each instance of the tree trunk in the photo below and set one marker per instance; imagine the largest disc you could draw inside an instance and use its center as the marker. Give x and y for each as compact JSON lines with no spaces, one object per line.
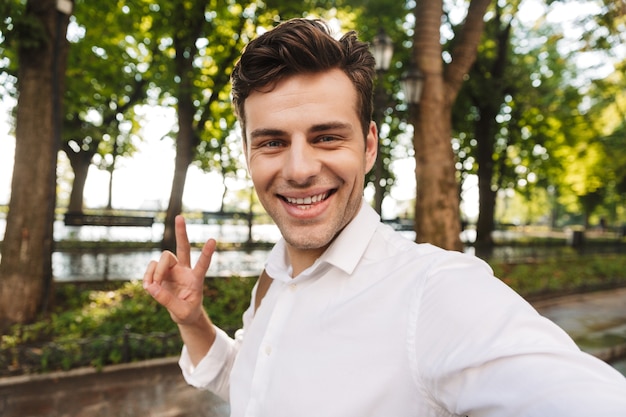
{"x":488,"y":105}
{"x":26,"y":264}
{"x":185,"y":143}
{"x":184,"y":152}
{"x":80,"y":162}
{"x":437,"y":212}
{"x":186,"y":139}
{"x":485,"y":128}
{"x":437,"y":217}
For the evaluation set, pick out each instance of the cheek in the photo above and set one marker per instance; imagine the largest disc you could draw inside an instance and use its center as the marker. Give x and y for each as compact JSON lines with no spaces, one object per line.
{"x":351,"y":171}
{"x":259,"y":172}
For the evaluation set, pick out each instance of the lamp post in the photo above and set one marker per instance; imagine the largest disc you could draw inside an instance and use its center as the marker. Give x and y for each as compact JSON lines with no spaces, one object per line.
{"x":382,"y":49}
{"x":412,"y":83}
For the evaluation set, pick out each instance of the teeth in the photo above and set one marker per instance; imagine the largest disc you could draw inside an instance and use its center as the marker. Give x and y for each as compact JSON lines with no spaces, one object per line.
{"x":307,"y":200}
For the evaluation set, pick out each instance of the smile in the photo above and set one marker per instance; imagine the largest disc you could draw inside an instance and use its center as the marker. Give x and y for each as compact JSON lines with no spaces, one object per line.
{"x":307,"y":201}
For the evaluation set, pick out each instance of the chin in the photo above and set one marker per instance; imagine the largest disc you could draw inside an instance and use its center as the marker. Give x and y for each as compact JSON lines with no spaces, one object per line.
{"x":307,"y":244}
{"x":307,"y":240}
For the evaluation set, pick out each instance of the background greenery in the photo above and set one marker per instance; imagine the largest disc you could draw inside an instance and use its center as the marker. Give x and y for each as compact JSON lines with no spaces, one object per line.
{"x":106,"y":323}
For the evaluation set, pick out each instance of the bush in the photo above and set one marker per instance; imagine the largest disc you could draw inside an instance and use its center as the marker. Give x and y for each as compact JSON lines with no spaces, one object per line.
{"x":101,"y":327}
{"x":564,"y":275}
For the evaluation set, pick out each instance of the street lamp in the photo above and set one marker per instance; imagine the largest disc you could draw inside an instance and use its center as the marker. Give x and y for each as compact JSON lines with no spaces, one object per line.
{"x":412,"y":83}
{"x":382,"y":50}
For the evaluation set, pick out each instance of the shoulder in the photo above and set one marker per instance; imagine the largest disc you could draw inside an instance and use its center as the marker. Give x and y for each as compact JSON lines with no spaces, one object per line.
{"x":389,"y":246}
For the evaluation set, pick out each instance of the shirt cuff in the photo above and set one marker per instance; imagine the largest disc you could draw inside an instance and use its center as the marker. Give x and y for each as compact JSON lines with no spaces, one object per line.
{"x":210,"y":369}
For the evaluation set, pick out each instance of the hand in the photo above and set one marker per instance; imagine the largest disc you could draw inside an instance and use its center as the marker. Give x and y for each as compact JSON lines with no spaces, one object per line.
{"x":174,"y":283}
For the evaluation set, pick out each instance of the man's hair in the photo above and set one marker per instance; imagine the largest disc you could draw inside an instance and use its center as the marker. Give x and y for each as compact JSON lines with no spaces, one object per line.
{"x":303,"y":46}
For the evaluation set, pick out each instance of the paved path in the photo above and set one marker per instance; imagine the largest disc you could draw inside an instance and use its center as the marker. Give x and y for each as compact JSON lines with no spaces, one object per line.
{"x":596,"y":321}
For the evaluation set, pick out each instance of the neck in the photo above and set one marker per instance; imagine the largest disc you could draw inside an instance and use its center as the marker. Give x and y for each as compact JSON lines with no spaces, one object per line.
{"x":301,"y":259}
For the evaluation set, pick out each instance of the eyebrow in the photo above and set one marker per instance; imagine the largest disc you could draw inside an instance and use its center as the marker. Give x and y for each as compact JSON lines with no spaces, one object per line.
{"x":322,"y":127}
{"x":257,"y":133}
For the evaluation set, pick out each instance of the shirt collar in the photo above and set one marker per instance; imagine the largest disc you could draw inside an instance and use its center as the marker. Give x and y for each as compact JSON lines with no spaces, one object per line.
{"x":348,"y":248}
{"x":344,"y":252}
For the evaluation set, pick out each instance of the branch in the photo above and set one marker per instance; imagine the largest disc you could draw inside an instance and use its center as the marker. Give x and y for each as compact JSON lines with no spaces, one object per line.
{"x":464,"y":53}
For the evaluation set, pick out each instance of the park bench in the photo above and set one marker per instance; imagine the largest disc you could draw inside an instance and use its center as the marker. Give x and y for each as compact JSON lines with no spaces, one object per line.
{"x":220,"y":216}
{"x":82,"y":219}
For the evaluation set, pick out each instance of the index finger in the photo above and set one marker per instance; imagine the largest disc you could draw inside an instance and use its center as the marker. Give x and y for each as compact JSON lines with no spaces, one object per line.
{"x":183,"y":249}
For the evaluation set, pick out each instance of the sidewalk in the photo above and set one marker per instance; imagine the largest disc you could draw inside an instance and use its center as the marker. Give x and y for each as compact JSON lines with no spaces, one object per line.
{"x":596,"y":321}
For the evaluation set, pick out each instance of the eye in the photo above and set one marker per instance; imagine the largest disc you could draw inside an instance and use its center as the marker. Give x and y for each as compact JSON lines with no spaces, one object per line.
{"x":326,"y":138}
{"x":272,"y":144}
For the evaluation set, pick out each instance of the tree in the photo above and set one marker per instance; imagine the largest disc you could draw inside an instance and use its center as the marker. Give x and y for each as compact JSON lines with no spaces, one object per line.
{"x":105,"y":80}
{"x":489,"y":102}
{"x":389,"y":110}
{"x":611,"y":125}
{"x":200,"y":43}
{"x":26,"y":265}
{"x":506,"y":84}
{"x":437,"y":218}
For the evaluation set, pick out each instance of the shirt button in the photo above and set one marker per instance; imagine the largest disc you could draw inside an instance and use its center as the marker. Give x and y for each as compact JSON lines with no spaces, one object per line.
{"x":268,"y":350}
{"x":293,"y":287}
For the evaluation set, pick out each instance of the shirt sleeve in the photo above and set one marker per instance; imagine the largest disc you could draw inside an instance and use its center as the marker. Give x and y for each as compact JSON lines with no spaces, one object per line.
{"x":213,"y":371}
{"x":482,"y":350}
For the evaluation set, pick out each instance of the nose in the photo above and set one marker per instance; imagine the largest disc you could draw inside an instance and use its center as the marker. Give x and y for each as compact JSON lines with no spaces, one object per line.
{"x":302,"y":162}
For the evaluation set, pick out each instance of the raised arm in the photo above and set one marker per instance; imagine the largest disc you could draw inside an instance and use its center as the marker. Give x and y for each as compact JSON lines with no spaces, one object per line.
{"x":173,"y":283}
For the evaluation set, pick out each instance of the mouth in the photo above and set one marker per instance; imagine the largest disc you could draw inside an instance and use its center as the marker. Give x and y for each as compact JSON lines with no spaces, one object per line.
{"x":305,"y":203}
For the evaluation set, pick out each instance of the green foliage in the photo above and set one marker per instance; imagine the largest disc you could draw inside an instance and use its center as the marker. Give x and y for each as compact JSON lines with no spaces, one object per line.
{"x":546,"y":124}
{"x":566,"y":274}
{"x":225,"y":300}
{"x":112,"y":325}
{"x":18,"y":28}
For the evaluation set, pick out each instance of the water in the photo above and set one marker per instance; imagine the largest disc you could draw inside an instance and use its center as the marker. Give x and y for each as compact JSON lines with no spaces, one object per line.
{"x":130,"y":265}
{"x":97,"y":264}
{"x":197,"y":232}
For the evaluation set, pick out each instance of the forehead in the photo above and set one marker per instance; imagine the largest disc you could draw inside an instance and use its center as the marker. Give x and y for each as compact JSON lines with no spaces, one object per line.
{"x":303,"y":99}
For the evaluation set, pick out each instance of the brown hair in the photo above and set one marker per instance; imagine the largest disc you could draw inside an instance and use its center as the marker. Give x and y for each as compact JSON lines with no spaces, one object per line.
{"x":300,"y":46}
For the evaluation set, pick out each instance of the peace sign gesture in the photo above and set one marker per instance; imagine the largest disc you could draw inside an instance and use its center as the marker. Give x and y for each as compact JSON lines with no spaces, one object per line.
{"x":174,"y":283}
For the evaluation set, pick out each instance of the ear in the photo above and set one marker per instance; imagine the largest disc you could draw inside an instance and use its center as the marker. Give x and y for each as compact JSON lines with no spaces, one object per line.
{"x":371,"y":147}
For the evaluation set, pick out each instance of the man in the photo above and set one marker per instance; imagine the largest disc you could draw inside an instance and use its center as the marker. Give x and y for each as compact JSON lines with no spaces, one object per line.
{"x":357,"y":320}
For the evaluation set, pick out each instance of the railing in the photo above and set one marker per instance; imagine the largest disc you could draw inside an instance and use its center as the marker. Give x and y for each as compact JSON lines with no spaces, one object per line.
{"x":512,"y":252}
{"x":82,"y":219}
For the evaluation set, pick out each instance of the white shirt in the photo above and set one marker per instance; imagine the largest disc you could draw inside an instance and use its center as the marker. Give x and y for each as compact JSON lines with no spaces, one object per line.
{"x":381,"y":326}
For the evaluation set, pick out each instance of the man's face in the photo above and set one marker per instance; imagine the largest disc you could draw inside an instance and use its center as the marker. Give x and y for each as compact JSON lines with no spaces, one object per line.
{"x":307,"y":157}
